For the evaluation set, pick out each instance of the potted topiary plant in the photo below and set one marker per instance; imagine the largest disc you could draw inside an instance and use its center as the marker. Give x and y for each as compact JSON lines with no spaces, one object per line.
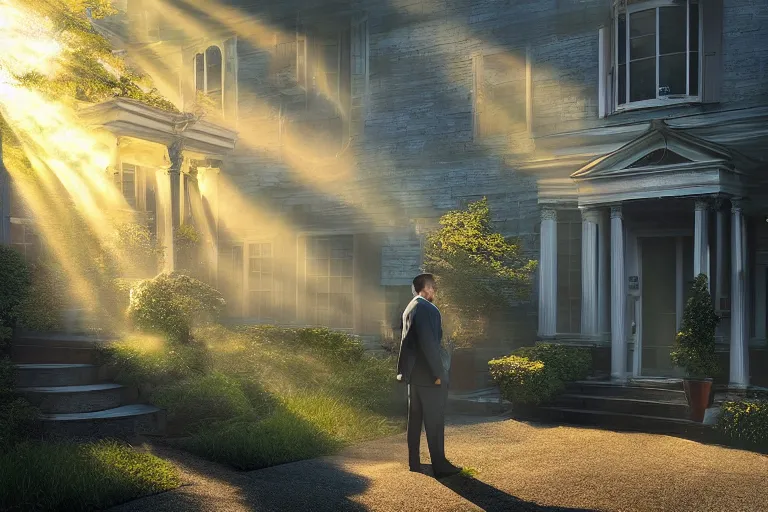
{"x":694,"y":348}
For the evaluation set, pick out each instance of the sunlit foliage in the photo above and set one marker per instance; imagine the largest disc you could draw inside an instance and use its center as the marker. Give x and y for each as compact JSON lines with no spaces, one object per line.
{"x":479,"y":271}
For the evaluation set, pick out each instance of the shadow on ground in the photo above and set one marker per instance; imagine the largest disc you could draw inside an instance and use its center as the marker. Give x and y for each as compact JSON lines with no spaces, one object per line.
{"x":209,"y":486}
{"x":491,"y":499}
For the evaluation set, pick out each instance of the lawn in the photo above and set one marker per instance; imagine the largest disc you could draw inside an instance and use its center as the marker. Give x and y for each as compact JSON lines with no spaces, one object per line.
{"x":258,"y":396}
{"x":79,"y":477}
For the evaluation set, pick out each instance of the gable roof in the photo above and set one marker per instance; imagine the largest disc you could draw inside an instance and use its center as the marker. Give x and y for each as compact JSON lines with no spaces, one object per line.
{"x":662,"y":148}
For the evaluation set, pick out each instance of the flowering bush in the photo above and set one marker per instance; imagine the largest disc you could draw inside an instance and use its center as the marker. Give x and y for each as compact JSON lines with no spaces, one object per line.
{"x":694,"y":349}
{"x":745,"y":421}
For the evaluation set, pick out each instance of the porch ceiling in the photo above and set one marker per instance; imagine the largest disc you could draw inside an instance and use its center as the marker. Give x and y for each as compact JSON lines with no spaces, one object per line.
{"x":131,"y":118}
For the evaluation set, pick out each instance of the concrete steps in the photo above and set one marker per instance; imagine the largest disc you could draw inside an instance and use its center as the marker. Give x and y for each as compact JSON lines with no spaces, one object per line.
{"x":74,"y":399}
{"x":483,"y":402}
{"x":28,"y":375}
{"x":655,"y":406}
{"x":60,"y":375}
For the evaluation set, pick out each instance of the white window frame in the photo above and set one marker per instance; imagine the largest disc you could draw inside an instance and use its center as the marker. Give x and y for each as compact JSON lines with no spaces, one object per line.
{"x":204,"y":53}
{"x":657,"y":102}
{"x":247,"y":281}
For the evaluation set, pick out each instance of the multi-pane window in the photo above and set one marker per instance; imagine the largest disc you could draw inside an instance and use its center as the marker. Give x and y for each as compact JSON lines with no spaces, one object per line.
{"x":359,"y":47}
{"x":24,"y":238}
{"x":261,"y":281}
{"x":327,"y":74}
{"x":209,"y":74}
{"x":657,"y":49}
{"x":128,"y":184}
{"x":330,"y":287}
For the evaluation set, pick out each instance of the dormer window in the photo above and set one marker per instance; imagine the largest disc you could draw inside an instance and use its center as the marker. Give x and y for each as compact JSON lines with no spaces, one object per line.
{"x":209,"y":74}
{"x":658,"y":50}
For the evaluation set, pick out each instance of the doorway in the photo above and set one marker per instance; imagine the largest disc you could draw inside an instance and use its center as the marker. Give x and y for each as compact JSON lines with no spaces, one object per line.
{"x":667,"y":276}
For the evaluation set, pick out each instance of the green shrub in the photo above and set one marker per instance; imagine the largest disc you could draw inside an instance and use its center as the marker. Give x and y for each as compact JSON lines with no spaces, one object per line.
{"x":327,"y":343}
{"x":523,"y":381}
{"x":568,"y":364}
{"x":745,"y":422}
{"x":14,"y":283}
{"x":71,"y":477}
{"x":18,"y":422}
{"x":171,"y":304}
{"x":148,"y":361}
{"x":694,"y":347}
{"x":199,"y":400}
{"x":46,"y":299}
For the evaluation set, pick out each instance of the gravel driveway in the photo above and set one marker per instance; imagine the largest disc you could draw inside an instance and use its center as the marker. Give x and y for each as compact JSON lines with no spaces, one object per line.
{"x":520,"y":466}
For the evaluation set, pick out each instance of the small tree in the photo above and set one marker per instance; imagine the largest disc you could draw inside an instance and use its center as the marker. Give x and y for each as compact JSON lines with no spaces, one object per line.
{"x":478,"y":270}
{"x":694,"y":348}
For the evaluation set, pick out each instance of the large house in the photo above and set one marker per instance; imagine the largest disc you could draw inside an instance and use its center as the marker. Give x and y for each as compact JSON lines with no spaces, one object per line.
{"x":624,"y":141}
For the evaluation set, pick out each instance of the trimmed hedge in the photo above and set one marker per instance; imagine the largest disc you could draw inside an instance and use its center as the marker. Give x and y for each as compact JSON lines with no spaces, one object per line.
{"x":745,"y":422}
{"x":535,"y":375}
{"x":523,"y":381}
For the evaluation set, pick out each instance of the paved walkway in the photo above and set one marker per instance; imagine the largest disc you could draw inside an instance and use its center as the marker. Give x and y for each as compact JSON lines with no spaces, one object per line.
{"x":520,"y":467}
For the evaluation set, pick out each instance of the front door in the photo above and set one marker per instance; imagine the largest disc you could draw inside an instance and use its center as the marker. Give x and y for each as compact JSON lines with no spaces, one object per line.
{"x":667,"y":267}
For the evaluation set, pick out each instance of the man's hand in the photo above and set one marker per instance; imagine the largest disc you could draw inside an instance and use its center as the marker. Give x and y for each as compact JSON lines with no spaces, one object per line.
{"x":438,"y":382}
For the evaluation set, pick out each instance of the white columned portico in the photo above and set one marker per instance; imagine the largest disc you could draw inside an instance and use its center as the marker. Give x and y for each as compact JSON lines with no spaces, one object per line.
{"x":618,"y":297}
{"x":548,"y":273}
{"x":589,"y":271}
{"x":739,"y":375}
{"x":701,"y":239}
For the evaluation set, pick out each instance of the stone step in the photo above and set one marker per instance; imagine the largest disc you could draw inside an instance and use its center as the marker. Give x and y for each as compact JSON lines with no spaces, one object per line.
{"x":121,"y":422}
{"x":29,"y":375}
{"x":666,"y":409}
{"x":626,"y":391}
{"x":626,"y":422}
{"x":482,"y":403}
{"x":75,"y":399}
{"x":53,"y":354}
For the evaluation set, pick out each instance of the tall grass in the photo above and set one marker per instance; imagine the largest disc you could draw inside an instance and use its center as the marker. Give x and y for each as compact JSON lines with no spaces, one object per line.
{"x":266,"y":395}
{"x":71,"y":477}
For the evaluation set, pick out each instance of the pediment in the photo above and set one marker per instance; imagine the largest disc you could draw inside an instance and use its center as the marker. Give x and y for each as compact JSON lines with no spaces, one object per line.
{"x":662,"y":149}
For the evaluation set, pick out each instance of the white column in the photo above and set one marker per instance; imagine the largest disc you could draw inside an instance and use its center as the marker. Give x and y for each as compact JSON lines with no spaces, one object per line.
{"x":739,"y":376}
{"x":603,"y":269}
{"x":618,"y":297}
{"x":719,"y":252}
{"x":701,"y":239}
{"x":548,"y":273}
{"x":589,"y":280}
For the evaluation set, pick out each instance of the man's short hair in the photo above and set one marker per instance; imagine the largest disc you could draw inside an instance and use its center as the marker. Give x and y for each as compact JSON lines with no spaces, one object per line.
{"x":421,"y":281}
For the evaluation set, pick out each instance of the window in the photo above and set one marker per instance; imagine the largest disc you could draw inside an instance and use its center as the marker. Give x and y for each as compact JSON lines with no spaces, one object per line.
{"x":127,"y":184}
{"x":330,"y":286}
{"x":569,"y":227}
{"x":658,"y":53}
{"x":209,"y":74}
{"x":359,"y":48}
{"x":152,"y":21}
{"x":260,"y":281}
{"x":500,"y":94}
{"x":327,"y":69}
{"x":24,"y":239}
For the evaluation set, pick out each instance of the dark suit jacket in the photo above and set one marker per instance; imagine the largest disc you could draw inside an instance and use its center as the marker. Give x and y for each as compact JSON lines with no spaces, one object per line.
{"x":422,"y":359}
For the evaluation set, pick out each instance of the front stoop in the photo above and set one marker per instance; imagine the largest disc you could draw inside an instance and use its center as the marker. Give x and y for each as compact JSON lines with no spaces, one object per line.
{"x":60,"y":375}
{"x":653,"y":406}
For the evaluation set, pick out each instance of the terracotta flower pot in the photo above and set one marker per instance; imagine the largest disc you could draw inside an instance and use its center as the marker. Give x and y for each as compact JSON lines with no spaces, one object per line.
{"x":697,"y":393}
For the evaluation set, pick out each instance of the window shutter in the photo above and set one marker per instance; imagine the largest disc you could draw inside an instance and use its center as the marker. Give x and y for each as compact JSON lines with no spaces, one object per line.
{"x":712,"y":50}
{"x":605,"y":72}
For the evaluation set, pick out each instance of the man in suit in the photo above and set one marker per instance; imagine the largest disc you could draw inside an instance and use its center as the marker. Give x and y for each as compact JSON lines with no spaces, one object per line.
{"x":424,"y":365}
